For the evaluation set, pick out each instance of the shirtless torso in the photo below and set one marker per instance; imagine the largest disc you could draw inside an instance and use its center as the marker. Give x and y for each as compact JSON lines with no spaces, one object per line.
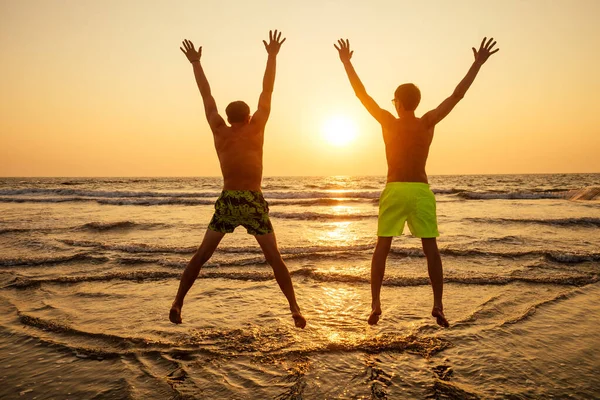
{"x":240,"y":151}
{"x":407,"y":142}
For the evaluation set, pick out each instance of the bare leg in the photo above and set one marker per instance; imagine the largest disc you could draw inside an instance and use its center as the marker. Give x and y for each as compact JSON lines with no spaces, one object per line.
{"x":268,"y":244}
{"x":380,"y":254}
{"x":209,"y":244}
{"x":436,"y":276}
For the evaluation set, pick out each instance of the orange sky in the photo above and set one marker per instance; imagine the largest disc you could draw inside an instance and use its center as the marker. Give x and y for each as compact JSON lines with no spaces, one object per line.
{"x":100,"y":88}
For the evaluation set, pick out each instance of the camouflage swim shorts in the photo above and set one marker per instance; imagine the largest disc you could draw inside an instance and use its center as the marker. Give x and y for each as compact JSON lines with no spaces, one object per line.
{"x":241,"y":207}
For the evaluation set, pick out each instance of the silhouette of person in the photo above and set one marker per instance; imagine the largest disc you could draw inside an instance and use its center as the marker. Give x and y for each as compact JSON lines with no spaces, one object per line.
{"x":239,"y":147}
{"x":407,"y":197}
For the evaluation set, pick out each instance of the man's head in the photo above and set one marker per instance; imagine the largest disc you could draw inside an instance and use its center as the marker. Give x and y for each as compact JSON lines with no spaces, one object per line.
{"x":238,"y":112}
{"x":407,"y":97}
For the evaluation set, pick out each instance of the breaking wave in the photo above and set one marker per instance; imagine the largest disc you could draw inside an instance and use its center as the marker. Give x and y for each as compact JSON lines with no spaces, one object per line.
{"x":591,"y":193}
{"x":583,"y":221}
{"x":106,"y":226}
{"x":52,"y":260}
{"x":339,"y":251}
{"x":296,"y":197}
{"x":21,"y":282}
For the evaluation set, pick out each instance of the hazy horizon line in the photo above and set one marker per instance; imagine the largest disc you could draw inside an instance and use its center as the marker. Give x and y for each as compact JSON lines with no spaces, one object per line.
{"x":284,"y":176}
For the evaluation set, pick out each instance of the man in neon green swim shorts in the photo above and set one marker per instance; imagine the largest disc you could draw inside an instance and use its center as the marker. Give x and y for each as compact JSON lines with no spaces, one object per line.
{"x":407,"y":197}
{"x":240,"y":149}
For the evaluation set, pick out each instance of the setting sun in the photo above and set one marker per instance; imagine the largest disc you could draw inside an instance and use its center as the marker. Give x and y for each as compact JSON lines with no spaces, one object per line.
{"x":339,"y":131}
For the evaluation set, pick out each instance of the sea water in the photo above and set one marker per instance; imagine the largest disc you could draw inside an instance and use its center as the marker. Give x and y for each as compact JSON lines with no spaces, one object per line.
{"x":89,"y":268}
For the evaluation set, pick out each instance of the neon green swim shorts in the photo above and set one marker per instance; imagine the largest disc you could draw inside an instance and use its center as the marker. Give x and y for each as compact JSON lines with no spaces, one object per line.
{"x":411,"y":202}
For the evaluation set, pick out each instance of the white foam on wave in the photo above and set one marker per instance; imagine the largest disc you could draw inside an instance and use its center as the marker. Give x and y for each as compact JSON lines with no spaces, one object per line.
{"x":591,"y":193}
{"x":215,"y":194}
{"x":120,"y":197}
{"x":581,"y":222}
{"x":316,"y":252}
{"x":102,"y":193}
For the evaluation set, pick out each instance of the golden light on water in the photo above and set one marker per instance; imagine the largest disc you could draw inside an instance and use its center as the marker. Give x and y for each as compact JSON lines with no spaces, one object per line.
{"x":339,"y":232}
{"x":334,"y":337}
{"x":342,"y":210}
{"x":338,"y":307}
{"x":339,"y":131}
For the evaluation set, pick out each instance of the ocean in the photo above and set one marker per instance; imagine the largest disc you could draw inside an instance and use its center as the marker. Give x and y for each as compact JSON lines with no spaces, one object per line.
{"x":89,"y":268}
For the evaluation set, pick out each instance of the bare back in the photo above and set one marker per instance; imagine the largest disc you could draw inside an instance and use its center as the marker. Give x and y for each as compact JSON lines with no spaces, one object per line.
{"x":239,"y":146}
{"x":407,"y":139}
{"x":407,"y":142}
{"x":240,"y":151}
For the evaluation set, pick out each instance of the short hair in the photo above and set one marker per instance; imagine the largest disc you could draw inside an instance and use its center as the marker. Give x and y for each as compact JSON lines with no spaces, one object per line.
{"x":237,"y":111}
{"x":409,"y":95}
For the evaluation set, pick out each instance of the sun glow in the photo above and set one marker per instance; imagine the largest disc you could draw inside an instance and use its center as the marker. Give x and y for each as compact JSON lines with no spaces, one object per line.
{"x":339,"y":131}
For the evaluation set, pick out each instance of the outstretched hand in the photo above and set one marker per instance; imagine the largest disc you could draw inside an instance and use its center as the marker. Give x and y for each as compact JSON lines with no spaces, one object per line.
{"x":191,"y":54}
{"x":274,"y":43}
{"x":344,"y":50}
{"x":485,"y":51}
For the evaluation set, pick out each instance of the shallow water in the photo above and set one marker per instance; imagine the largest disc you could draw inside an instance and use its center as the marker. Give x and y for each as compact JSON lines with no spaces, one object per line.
{"x":89,"y":267}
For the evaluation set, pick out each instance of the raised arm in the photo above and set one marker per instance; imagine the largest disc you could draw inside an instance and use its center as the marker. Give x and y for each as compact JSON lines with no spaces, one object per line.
{"x":485,"y":51}
{"x":377,"y":112}
{"x":264,"y":101}
{"x":210,"y":107}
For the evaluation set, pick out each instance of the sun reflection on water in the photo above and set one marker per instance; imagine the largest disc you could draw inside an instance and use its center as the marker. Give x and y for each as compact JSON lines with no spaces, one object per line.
{"x":339,"y":232}
{"x":339,"y":308}
{"x":342,"y":210}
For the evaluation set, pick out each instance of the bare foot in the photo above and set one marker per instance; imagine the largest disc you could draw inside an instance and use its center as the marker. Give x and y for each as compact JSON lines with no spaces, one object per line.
{"x":439,"y":316}
{"x":299,"y":320}
{"x":374,"y":317}
{"x":175,"y":314}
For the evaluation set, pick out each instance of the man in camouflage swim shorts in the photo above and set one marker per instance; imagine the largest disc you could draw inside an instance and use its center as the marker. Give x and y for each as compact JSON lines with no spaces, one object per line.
{"x":239,"y":147}
{"x":241,"y":207}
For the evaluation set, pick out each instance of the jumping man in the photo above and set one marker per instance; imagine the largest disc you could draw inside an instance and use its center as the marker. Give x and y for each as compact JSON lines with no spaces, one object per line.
{"x":240,"y":150}
{"x":407,"y":196}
